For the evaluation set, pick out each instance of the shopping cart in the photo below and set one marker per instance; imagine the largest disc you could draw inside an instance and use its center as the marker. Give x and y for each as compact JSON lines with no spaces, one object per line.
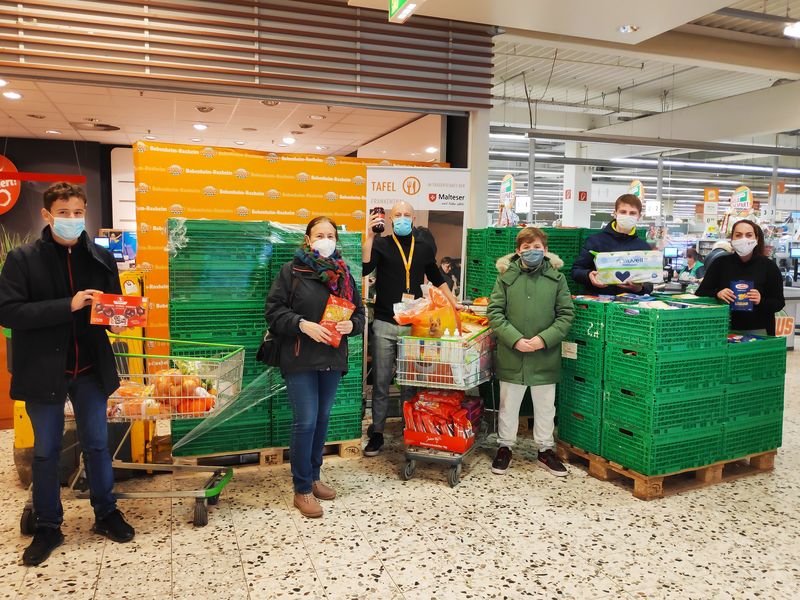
{"x":445,"y":363}
{"x":193,"y":380}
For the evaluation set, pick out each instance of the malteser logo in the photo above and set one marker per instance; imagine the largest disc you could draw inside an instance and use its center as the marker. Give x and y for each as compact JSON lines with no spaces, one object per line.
{"x":209,"y":190}
{"x":330,"y":161}
{"x":208,"y":152}
{"x":140,"y":147}
{"x":144,"y":227}
{"x":273,"y":194}
{"x":331,"y":196}
{"x":411,"y":186}
{"x":242,"y":211}
{"x":303,"y":177}
{"x":358,"y":215}
{"x":176,"y":209}
{"x":358,"y":180}
{"x":386,"y":163}
{"x":241,"y":174}
{"x":272,"y":157}
{"x":175,"y":170}
{"x":432,"y":197}
{"x":303,"y":213}
{"x":143,"y":188}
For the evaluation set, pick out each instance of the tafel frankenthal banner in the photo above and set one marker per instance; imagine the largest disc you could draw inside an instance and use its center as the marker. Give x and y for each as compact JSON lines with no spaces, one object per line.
{"x":207,"y":182}
{"x":424,"y":189}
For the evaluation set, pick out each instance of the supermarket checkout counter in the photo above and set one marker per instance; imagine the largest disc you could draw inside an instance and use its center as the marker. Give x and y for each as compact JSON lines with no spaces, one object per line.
{"x":792,"y":296}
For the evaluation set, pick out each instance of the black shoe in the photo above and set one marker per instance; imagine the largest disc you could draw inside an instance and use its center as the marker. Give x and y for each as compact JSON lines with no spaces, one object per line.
{"x":45,"y":540}
{"x":548,"y":460}
{"x":502,"y":460}
{"x":114,"y":527}
{"x":375,"y":444}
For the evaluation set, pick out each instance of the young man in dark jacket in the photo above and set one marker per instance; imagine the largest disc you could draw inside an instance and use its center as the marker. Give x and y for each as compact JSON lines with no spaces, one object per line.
{"x":618,"y":236}
{"x":46,"y":293}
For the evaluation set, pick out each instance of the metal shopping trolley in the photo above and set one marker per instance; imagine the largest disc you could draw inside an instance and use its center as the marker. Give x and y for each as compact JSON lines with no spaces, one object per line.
{"x":195,"y":380}
{"x":446,"y":363}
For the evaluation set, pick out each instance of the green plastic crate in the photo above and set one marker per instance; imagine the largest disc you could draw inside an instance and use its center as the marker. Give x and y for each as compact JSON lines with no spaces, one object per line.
{"x":752,"y":436}
{"x":566,"y":242}
{"x":223,"y":320}
{"x":234,"y":285}
{"x":249,"y":430}
{"x":663,"y":413}
{"x":589,"y":358}
{"x":579,"y":428}
{"x":590,"y":320}
{"x":754,"y":361}
{"x":649,"y":372}
{"x":341,"y":427}
{"x":754,"y":399}
{"x":673,"y":330}
{"x":580,"y":393}
{"x":660,"y":454}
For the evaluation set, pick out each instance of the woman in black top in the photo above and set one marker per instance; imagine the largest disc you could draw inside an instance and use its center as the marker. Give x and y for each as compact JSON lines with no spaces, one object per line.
{"x":749,"y":264}
{"x":311,"y":366}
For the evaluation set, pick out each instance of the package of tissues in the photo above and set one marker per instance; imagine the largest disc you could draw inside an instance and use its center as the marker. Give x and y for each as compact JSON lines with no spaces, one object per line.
{"x":636,"y":266}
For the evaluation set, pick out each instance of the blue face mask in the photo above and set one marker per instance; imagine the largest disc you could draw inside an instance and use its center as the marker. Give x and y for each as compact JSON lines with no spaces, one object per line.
{"x":402,"y":225}
{"x":532,"y":257}
{"x":68,"y":229}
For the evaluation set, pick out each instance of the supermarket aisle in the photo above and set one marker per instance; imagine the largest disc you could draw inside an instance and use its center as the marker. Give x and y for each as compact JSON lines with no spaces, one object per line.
{"x":525,"y":535}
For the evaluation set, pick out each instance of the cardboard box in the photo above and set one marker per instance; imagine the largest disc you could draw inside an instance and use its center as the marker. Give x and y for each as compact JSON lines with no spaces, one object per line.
{"x":437,"y":442}
{"x":636,"y":266}
{"x":123,"y":311}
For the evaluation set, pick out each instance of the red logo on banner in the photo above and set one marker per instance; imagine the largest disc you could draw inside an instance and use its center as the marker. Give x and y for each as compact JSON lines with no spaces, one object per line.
{"x":583,"y":196}
{"x":568,"y":194}
{"x":9,"y":188}
{"x":432,"y":197}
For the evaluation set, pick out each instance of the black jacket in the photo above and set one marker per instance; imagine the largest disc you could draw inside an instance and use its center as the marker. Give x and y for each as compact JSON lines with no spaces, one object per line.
{"x":308,"y":300}
{"x":608,"y":240}
{"x":35,"y":303}
{"x":766,"y":278}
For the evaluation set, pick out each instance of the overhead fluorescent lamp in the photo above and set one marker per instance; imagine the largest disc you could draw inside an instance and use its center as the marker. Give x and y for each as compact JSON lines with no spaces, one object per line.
{"x":792,"y":31}
{"x":401,"y":10}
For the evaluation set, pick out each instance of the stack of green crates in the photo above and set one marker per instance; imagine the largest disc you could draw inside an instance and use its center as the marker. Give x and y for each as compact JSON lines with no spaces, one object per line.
{"x":219,"y":275}
{"x":754,"y":375}
{"x":580,"y":393}
{"x":664,"y":403}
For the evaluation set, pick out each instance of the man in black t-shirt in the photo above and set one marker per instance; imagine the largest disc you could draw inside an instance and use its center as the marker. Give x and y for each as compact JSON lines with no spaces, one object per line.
{"x":401,"y":261}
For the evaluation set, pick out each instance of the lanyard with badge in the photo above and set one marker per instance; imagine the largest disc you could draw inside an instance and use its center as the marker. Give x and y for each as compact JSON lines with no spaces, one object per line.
{"x":407,"y":264}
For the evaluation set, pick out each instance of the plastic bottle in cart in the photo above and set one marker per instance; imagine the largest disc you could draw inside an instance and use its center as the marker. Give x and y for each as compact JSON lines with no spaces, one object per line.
{"x":455,"y":359}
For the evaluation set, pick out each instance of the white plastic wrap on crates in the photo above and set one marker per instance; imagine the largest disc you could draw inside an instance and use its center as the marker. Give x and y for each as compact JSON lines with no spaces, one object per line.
{"x":454,"y":363}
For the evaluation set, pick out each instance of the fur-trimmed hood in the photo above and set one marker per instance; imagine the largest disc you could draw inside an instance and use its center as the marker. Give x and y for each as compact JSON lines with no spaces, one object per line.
{"x":503,"y":262}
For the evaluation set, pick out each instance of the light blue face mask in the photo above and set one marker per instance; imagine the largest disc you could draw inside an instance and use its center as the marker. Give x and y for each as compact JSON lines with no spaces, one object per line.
{"x":68,"y":229}
{"x":401,"y":225}
{"x":532,"y":258}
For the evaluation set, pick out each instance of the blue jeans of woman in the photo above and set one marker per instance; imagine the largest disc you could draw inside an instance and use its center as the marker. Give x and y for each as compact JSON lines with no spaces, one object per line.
{"x":90,"y":404}
{"x":311,"y":394}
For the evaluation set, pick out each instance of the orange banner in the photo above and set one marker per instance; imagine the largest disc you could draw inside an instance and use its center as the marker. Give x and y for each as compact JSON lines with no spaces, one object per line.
{"x":206,"y":182}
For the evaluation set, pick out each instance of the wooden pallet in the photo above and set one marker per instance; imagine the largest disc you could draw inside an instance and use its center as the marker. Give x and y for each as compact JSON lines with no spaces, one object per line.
{"x":269,"y":456}
{"x":650,"y":487}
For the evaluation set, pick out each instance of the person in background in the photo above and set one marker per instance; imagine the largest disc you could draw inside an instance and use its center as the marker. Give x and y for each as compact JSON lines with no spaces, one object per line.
{"x":720,"y":248}
{"x":401,"y":262}
{"x":46,"y":291}
{"x":530,"y":311}
{"x":748,"y":263}
{"x":694,"y":268}
{"x":311,"y":367}
{"x":446,"y":270}
{"x":617,"y":236}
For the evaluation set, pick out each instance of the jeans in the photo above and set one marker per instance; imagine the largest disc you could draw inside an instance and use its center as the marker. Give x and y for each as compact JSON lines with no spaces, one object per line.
{"x":544,"y":413}
{"x":311,"y":394}
{"x":384,"y":361}
{"x":90,"y":404}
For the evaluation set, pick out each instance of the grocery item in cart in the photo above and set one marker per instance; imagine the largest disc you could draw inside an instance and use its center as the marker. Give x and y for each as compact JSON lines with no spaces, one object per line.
{"x":437,"y":425}
{"x":429,"y":316}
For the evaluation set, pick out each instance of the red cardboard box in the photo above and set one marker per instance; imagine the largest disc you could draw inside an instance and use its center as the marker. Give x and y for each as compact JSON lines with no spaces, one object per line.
{"x":125,"y":311}
{"x":438,"y":442}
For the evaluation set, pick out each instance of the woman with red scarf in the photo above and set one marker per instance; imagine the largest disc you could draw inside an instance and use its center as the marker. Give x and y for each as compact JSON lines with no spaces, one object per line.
{"x":311,"y":366}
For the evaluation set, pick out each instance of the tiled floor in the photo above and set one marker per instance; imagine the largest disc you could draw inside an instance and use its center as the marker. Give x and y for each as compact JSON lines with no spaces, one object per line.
{"x":525,"y":535}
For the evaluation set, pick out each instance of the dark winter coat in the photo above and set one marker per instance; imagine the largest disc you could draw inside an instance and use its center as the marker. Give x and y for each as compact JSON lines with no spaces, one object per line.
{"x":35,"y":303}
{"x":308,"y":300}
{"x":608,"y":240}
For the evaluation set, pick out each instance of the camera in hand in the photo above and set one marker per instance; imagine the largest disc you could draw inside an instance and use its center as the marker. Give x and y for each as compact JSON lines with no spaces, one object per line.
{"x":379,"y":227}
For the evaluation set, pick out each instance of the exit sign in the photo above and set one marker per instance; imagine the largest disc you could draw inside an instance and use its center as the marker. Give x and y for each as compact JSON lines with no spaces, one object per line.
{"x":400,"y":10}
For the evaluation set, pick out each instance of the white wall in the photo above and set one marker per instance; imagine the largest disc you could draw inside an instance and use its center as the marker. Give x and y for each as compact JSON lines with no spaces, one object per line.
{"x":123,"y":191}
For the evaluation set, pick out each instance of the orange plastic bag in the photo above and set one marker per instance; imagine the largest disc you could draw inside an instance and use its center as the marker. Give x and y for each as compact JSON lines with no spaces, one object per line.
{"x":432,"y":317}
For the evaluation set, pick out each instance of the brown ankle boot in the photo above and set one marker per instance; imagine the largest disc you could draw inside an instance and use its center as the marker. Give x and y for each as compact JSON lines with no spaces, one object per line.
{"x":308,"y":505}
{"x":322,"y":491}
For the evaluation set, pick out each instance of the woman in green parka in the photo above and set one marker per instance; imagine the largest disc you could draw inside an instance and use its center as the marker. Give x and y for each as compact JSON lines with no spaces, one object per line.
{"x":531,"y":313}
